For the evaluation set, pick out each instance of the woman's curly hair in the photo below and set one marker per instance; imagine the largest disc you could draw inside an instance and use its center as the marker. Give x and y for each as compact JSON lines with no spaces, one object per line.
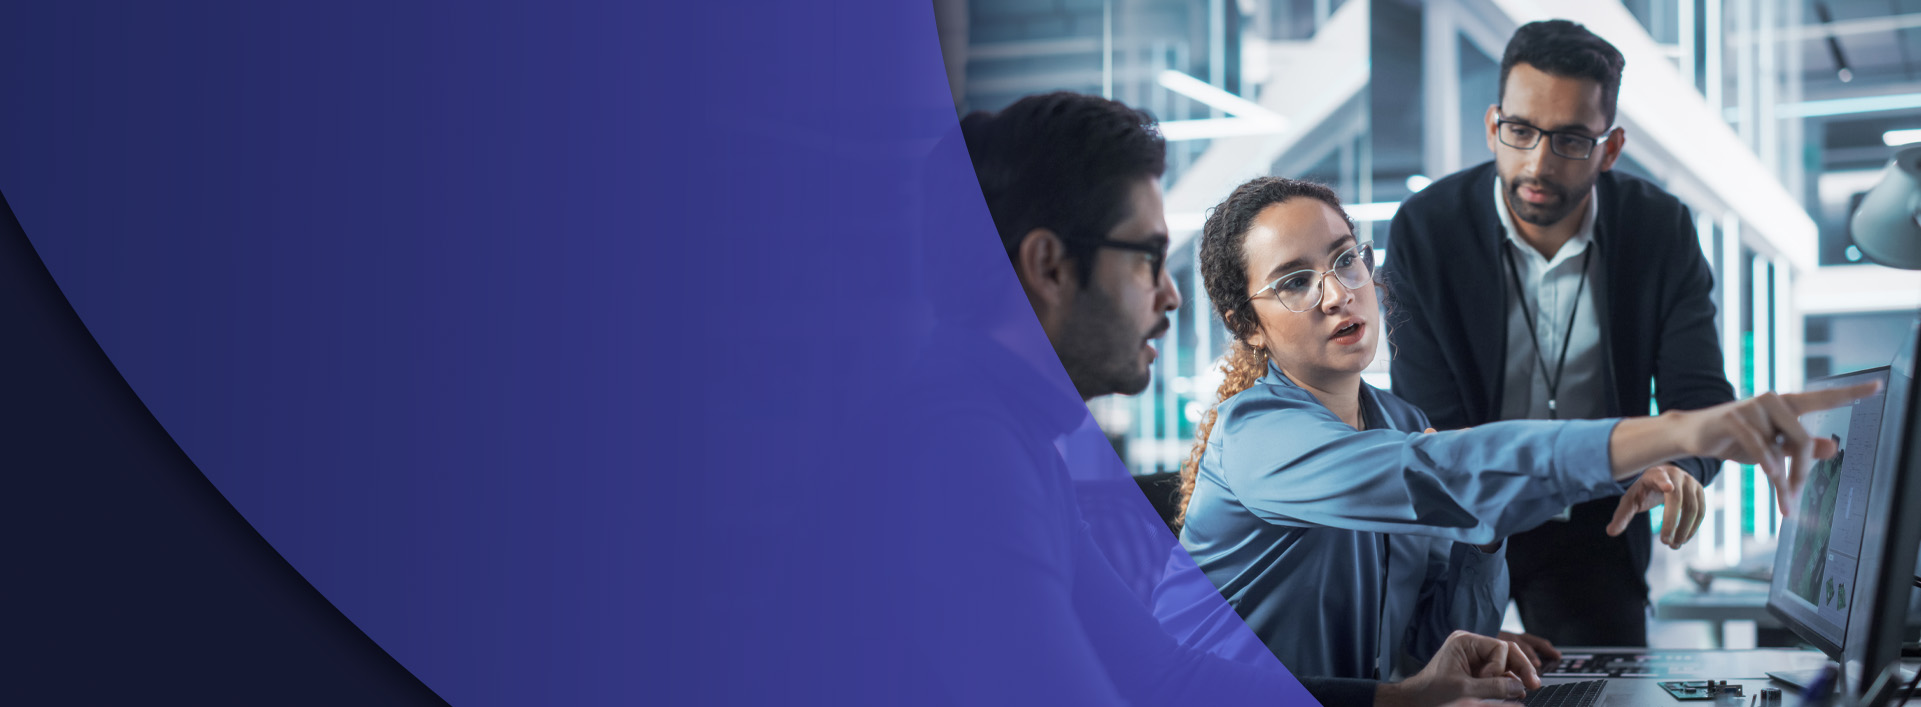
{"x":1223,"y":264}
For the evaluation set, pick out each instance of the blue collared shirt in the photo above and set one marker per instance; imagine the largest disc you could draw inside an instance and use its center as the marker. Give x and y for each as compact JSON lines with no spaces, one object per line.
{"x":1349,"y":550}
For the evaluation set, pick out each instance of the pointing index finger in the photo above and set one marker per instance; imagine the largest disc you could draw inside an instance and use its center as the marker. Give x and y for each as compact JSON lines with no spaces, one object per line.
{"x":1813,"y":400}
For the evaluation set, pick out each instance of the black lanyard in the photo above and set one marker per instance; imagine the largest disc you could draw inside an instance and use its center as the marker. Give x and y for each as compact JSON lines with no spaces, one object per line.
{"x":1554,"y":382}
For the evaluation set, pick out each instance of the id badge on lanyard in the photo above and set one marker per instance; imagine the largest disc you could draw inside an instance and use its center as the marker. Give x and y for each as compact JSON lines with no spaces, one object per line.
{"x":1560,"y":367}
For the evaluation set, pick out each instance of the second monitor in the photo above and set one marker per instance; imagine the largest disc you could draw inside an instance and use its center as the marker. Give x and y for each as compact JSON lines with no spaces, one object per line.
{"x":1816,"y":562}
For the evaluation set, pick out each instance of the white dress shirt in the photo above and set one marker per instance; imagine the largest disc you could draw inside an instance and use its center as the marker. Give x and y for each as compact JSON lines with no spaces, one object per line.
{"x":1549,"y":287}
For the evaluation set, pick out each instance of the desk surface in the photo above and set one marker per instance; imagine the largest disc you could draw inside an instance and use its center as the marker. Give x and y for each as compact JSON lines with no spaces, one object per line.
{"x":1744,"y":604}
{"x":1746,"y":668}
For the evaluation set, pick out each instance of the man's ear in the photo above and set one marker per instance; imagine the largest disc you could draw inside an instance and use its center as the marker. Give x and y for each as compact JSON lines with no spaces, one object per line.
{"x":1611,"y":150}
{"x":1045,"y":271}
{"x":1493,"y":126}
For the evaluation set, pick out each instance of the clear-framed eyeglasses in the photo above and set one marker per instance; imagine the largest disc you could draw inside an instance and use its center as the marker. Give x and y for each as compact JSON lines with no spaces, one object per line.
{"x":1301,"y":290}
{"x":1570,"y":145}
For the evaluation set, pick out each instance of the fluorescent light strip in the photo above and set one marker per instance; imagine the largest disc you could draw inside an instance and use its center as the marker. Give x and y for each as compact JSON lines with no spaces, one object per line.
{"x":1849,"y":106}
{"x":1377,"y":211}
{"x":1897,"y":138}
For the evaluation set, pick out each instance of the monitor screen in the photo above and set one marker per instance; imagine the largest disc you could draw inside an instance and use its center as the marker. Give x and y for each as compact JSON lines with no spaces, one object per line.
{"x":1819,"y":554}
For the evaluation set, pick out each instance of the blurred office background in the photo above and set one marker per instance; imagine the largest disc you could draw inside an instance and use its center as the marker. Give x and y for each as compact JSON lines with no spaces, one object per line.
{"x":1769,"y":118}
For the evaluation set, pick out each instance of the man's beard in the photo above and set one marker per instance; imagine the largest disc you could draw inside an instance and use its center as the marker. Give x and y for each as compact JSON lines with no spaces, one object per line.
{"x":1544,"y":214}
{"x":1100,"y":350}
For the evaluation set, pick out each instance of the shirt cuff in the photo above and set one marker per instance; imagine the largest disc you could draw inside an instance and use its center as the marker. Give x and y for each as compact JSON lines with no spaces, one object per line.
{"x":1481,"y":582}
{"x":1474,"y":565}
{"x":1582,"y":462}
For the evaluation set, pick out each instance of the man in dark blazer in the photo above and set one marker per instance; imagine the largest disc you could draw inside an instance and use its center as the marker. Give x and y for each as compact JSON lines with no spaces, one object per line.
{"x":1544,"y":285}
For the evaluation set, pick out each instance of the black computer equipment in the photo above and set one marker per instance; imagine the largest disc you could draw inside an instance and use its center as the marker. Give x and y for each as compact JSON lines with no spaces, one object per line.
{"x":1814,"y":580}
{"x":1846,"y":558}
{"x":1846,"y":562}
{"x":1567,"y":694}
{"x":1817,"y":564}
{"x":1889,"y":547}
{"x":1623,"y":664}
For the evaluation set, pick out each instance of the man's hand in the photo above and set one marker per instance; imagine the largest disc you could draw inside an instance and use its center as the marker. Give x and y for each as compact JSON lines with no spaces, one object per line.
{"x":1467,"y":666}
{"x":1536,"y":648}
{"x":1664,"y":485}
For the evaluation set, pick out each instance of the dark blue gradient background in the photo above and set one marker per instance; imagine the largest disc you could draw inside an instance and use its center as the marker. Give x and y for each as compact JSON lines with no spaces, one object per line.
{"x":546,"y":342}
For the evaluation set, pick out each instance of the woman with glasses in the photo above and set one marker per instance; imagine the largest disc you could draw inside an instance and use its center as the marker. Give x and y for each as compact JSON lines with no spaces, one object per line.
{"x":1344,"y":535}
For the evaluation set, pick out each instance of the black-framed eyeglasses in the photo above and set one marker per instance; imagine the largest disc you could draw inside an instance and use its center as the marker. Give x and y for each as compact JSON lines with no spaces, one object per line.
{"x":1301,"y":290}
{"x":1568,"y":144}
{"x":1156,"y":251}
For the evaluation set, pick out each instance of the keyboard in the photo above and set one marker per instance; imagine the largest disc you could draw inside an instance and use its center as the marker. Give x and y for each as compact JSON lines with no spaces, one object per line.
{"x":1567,"y":694}
{"x":1623,"y":665}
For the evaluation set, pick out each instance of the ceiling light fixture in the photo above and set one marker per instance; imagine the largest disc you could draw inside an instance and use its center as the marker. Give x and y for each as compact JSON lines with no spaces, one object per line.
{"x":1897,"y":138}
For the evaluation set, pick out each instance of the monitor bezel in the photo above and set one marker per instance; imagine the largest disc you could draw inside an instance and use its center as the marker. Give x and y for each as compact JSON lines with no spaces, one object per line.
{"x":1790,"y":615}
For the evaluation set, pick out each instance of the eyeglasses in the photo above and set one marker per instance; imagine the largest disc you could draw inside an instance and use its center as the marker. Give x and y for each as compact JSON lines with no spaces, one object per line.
{"x":1571,"y":145}
{"x":1301,"y":290}
{"x":1156,"y":252}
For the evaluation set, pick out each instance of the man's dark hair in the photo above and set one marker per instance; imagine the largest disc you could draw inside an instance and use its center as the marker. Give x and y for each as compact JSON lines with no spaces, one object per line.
{"x":1062,"y":161}
{"x":1566,"y":49}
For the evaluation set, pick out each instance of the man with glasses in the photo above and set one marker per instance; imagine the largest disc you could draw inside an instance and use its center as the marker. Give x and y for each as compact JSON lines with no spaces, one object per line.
{"x":1090,"y":258}
{"x":1072,"y":185}
{"x":1546,"y":285}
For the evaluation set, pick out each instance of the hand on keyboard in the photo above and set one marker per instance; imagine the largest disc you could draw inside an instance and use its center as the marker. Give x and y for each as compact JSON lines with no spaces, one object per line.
{"x":1536,"y":648}
{"x":1466,"y":666}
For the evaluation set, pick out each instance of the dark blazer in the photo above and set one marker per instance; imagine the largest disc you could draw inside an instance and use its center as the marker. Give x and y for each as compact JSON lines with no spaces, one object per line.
{"x":1447,"y":306}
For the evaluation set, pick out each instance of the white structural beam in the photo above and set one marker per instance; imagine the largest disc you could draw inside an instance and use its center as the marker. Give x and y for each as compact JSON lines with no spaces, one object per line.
{"x":1309,"y":82}
{"x":1851,"y":106}
{"x":1249,"y":118}
{"x":1666,"y":116}
{"x":1845,"y":289}
{"x":1215,"y":97}
{"x":1789,"y":328}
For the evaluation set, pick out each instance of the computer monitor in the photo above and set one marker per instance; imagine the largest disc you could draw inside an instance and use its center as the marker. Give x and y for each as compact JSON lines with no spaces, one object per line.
{"x":1889,"y":547}
{"x":1817,"y":565}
